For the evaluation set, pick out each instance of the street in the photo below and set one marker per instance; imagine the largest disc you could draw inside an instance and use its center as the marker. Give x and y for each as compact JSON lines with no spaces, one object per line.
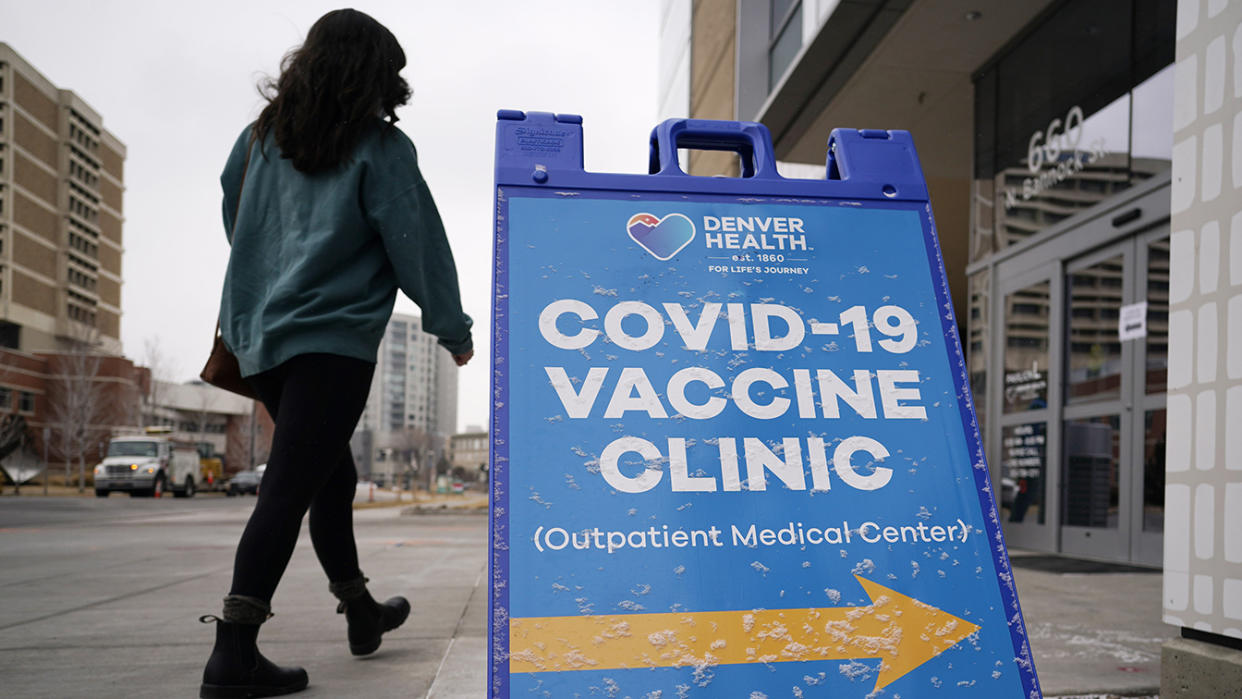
{"x":102,"y":596}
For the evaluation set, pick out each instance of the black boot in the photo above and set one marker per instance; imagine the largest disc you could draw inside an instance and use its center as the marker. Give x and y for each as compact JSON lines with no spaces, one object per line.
{"x":236,"y":668}
{"x":368,"y":619}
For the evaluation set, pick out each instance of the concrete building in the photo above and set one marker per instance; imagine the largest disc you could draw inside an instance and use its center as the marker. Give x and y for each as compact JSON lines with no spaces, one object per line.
{"x":61,"y":186}
{"x":1084,"y":160}
{"x":468,"y":453}
{"x":63,"y":406}
{"x":75,"y":401}
{"x":223,"y":424}
{"x":1203,"y":466}
{"x":412,"y":408}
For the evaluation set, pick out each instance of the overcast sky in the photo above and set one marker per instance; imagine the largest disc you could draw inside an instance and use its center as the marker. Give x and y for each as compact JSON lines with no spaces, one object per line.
{"x":175,"y":81}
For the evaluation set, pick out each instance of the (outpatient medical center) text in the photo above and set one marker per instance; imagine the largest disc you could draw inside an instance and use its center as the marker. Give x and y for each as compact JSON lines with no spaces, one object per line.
{"x":792,"y":534}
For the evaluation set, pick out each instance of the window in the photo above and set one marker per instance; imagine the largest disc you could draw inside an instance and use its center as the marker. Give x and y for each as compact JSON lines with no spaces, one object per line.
{"x":784,"y":37}
{"x":1027,"y":342}
{"x":1076,"y":110}
{"x":133,"y":448}
{"x":80,"y":314}
{"x":83,"y":157}
{"x":26,"y":402}
{"x":80,"y":279}
{"x":10,"y":335}
{"x":88,"y":247}
{"x":6,"y":399}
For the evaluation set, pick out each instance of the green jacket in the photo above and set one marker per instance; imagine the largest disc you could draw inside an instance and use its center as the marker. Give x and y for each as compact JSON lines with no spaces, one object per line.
{"x":316,"y":260}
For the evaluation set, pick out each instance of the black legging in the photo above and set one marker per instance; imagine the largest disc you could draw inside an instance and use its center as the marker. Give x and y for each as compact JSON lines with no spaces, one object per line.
{"x":315,"y":400}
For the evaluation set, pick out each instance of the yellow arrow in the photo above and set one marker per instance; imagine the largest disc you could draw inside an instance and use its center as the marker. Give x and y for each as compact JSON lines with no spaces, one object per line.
{"x":903,"y":632}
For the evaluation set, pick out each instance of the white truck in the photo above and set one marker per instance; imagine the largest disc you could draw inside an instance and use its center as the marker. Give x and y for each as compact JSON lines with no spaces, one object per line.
{"x":148,"y":464}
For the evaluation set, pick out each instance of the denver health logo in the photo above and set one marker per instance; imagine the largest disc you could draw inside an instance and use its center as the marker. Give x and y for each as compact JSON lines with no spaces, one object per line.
{"x":662,"y":237}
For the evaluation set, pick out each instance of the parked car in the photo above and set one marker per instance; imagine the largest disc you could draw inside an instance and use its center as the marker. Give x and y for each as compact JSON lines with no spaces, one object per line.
{"x":244,"y":482}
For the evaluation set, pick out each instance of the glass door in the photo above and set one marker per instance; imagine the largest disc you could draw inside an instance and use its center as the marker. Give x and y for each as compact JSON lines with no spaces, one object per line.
{"x":1149,"y":419}
{"x":1096,"y":416}
{"x":1027,"y":314}
{"x":1113,"y":415}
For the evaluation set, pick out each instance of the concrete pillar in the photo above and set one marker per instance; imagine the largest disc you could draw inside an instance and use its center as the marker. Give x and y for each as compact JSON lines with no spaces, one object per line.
{"x":1203,"y":468}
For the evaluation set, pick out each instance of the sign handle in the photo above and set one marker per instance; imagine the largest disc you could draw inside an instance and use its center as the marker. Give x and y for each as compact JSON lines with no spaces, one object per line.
{"x":748,"y":139}
{"x":884,"y":163}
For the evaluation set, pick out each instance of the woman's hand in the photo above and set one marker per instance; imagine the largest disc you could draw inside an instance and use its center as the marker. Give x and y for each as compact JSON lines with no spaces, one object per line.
{"x":461,"y":359}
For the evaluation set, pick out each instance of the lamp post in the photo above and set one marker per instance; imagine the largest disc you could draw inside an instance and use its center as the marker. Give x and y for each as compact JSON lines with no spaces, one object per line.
{"x":47,"y":437}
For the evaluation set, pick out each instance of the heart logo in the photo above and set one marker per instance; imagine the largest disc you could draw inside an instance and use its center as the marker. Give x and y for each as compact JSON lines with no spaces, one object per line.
{"x":662,"y":237}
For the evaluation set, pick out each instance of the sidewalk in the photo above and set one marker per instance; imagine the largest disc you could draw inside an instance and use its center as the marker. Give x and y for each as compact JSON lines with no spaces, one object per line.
{"x":107,"y":608}
{"x":126,"y":627}
{"x":1095,"y":631}
{"x":368,"y":496}
{"x":1095,"y":634}
{"x":1095,"y":628}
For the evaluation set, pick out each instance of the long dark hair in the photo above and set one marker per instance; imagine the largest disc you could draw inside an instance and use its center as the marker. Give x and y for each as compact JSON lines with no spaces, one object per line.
{"x":343,"y":77}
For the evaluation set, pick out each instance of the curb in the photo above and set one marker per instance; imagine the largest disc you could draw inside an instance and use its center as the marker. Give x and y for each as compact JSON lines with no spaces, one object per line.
{"x":444,"y":508}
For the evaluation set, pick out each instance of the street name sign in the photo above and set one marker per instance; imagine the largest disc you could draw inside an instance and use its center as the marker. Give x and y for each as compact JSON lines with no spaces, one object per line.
{"x":733,"y":448}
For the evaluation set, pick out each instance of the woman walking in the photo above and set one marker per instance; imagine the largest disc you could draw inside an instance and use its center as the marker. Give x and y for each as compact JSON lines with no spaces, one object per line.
{"x":327,"y":215}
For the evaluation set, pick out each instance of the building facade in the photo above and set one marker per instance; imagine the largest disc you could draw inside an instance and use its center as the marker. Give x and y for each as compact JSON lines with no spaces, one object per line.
{"x":1045,"y":133}
{"x":1084,"y":160}
{"x":412,"y":408}
{"x":63,"y":406}
{"x":1203,"y":489}
{"x":61,"y":215}
{"x":223,"y":424}
{"x":469,"y":455}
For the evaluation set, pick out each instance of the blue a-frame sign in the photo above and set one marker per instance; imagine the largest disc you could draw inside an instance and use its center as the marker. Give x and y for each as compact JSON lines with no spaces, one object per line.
{"x":733,"y":446}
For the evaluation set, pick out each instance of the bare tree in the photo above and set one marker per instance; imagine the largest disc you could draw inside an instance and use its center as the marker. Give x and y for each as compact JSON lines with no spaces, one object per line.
{"x":77,"y":404}
{"x":413,"y":446}
{"x":161,"y":368}
{"x":206,"y":401}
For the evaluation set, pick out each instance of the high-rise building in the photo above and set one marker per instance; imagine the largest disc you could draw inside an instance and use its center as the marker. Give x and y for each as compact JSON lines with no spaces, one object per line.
{"x":61,"y":185}
{"x":412,"y":408}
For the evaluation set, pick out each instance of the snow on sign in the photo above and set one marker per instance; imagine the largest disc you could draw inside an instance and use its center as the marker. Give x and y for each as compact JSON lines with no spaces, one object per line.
{"x":733,"y":450}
